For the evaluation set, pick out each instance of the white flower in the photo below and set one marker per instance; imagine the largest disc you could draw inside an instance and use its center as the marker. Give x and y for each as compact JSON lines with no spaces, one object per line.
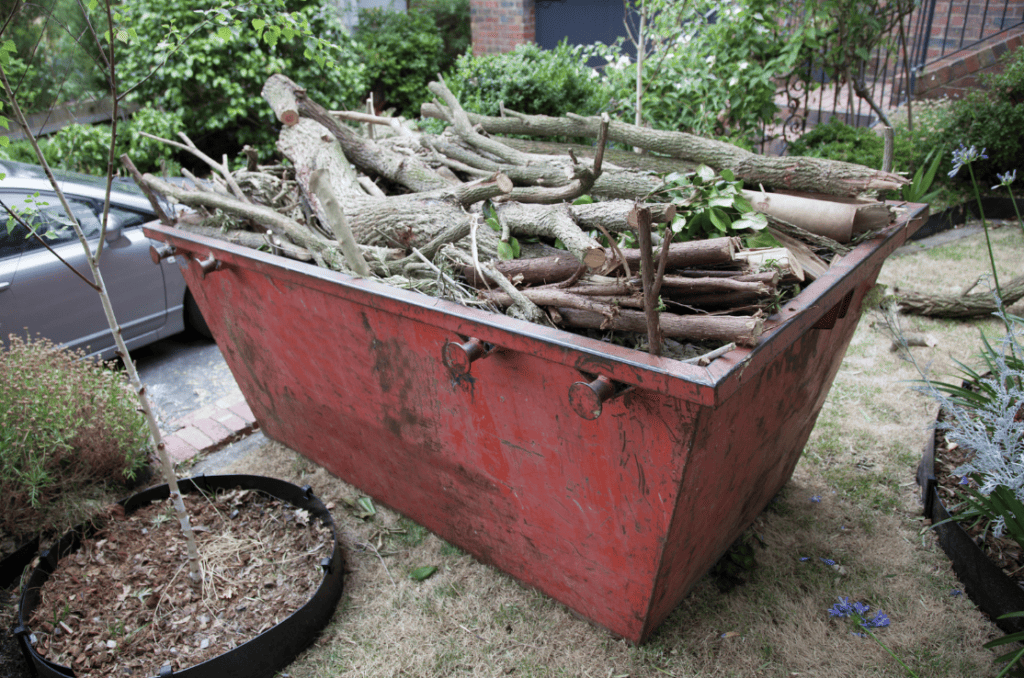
{"x":711,"y":60}
{"x":743,"y":65}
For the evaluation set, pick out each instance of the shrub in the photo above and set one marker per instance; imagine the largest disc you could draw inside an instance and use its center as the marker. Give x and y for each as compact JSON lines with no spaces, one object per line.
{"x":214,"y":82}
{"x":529,"y":80}
{"x":85,"y":148}
{"x":715,"y":77}
{"x":403,"y":52}
{"x":80,"y":148}
{"x":452,"y":19}
{"x":67,"y":428}
{"x":838,"y":141}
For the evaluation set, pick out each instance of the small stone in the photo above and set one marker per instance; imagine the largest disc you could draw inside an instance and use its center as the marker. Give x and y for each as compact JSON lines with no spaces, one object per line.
{"x":205,"y":644}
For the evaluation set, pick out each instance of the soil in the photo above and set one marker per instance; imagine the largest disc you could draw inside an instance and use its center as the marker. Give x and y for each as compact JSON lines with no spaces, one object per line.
{"x":124,"y":604}
{"x":1005,"y":553}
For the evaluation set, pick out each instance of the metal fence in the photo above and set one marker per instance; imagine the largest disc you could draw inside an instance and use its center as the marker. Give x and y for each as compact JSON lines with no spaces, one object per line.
{"x":936,"y":30}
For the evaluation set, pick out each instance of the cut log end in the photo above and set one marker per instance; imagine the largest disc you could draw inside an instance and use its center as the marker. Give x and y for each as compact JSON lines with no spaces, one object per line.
{"x":595,"y":258}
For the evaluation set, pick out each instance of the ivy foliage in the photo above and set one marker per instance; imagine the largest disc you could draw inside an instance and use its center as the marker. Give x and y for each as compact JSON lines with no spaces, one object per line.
{"x":208,"y":65}
{"x":403,"y":51}
{"x":529,"y":80}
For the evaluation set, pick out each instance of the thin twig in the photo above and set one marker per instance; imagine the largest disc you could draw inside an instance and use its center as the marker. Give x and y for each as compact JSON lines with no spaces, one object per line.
{"x":703,"y":360}
{"x":191,"y":148}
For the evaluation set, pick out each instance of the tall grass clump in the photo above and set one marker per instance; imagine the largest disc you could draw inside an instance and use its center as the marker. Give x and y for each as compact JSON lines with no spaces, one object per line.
{"x":69,"y":428}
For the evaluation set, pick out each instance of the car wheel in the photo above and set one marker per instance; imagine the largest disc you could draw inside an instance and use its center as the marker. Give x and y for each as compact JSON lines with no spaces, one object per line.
{"x":194,"y":318}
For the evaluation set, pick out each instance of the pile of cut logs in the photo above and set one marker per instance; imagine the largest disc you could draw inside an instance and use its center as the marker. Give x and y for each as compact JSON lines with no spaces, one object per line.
{"x":400,"y":204}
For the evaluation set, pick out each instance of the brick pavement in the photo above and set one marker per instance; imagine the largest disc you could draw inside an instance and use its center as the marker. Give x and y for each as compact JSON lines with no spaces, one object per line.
{"x":211,"y":427}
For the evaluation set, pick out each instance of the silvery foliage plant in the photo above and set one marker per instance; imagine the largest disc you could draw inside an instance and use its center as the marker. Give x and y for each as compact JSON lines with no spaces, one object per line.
{"x":986,"y":417}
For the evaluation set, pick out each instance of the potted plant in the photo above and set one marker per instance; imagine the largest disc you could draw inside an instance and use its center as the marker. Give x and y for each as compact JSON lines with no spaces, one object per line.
{"x":974,"y":455}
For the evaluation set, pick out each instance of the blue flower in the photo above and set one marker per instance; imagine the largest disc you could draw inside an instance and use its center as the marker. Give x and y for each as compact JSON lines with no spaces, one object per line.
{"x":828,"y":561}
{"x":965,"y":156}
{"x":816,"y":499}
{"x":805,"y":559}
{"x":856,"y":612}
{"x":956,"y":592}
{"x":842,"y":608}
{"x":878,"y":621}
{"x":965,"y":480}
{"x":1005,"y":179}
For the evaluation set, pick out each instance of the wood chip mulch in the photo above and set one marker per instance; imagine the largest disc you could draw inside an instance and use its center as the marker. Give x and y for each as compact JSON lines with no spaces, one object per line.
{"x":124,"y":605}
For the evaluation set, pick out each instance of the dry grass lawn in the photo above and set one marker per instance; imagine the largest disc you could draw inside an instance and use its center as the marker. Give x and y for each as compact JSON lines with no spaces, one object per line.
{"x":852,"y":500}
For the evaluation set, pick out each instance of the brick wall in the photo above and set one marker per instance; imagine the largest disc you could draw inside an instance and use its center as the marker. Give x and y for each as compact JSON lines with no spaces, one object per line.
{"x":959,"y":23}
{"x":500,"y":25}
{"x":958,"y":73}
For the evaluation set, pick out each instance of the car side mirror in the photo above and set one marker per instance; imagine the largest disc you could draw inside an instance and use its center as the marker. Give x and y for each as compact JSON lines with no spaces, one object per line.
{"x":115,"y":226}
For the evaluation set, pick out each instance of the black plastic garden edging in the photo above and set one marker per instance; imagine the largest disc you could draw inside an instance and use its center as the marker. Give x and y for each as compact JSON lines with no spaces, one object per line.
{"x":957,"y":215}
{"x":15,"y":563}
{"x":260,"y":657}
{"x":992,"y":591}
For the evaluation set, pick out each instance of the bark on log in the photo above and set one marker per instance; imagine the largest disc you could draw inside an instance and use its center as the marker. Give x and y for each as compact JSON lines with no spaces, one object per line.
{"x":364,"y":153}
{"x":793,"y":173}
{"x":262,"y":215}
{"x":556,"y":268}
{"x":978,"y":304}
{"x":744,"y":331}
{"x":584,"y":311}
{"x":616,"y":157}
{"x":552,"y":221}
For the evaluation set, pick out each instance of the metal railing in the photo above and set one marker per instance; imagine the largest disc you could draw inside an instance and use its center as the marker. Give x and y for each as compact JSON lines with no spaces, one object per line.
{"x":936,"y":30}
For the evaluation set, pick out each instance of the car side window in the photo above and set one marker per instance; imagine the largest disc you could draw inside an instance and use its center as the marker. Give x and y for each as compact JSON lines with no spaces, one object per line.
{"x":127,"y":217}
{"x":47,"y":217}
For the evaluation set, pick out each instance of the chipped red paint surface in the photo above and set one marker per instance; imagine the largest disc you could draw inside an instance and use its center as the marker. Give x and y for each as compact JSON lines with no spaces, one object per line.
{"x":616,"y":517}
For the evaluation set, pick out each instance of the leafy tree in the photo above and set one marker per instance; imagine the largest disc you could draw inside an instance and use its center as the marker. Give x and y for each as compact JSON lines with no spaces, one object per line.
{"x":529,"y":80}
{"x":51,"y":62}
{"x":452,"y":19}
{"x":403,"y":51}
{"x":214,"y":85}
{"x":703,"y":67}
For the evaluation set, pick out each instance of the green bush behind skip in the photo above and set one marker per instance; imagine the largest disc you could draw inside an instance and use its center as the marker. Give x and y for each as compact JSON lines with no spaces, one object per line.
{"x":529,"y":80}
{"x":85,"y":148}
{"x":67,"y":427}
{"x":403,"y":51}
{"x":214,"y":82}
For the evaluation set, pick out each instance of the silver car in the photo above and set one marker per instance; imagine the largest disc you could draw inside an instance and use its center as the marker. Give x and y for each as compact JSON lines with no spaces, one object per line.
{"x":40,"y":295}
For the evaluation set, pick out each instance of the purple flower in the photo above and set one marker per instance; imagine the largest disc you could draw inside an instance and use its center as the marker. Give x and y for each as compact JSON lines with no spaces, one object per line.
{"x":857,"y":611}
{"x":842,"y":608}
{"x":878,"y":621}
{"x":805,"y":559}
{"x":965,"y":156}
{"x":1005,"y":179}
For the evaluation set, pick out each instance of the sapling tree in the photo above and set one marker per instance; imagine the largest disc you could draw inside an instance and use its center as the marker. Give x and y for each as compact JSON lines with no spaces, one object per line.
{"x":105,"y":46}
{"x":107,"y":42}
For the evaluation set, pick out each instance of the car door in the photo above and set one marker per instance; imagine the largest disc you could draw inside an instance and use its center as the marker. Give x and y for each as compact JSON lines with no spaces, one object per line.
{"x":48,"y":298}
{"x":12,"y":243}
